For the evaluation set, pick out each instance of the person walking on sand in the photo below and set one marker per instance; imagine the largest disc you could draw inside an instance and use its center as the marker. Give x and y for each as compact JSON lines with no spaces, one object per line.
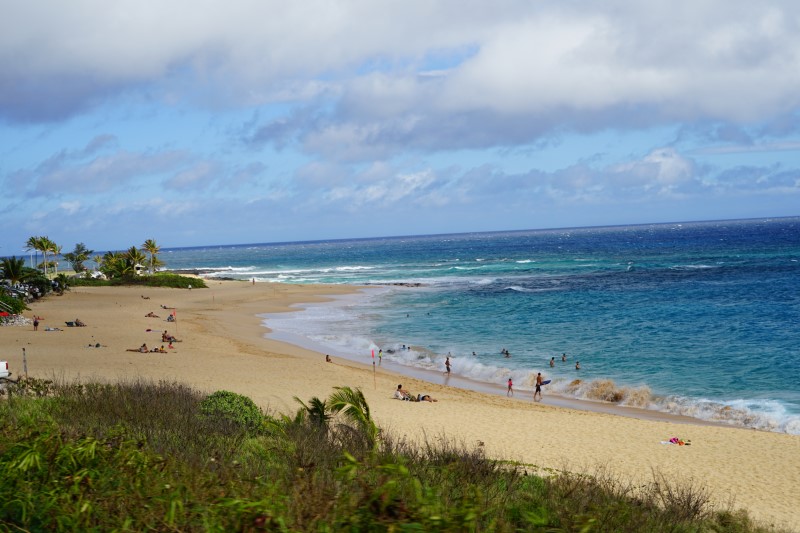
{"x":447,"y":364}
{"x":510,"y":388}
{"x":538,"y":387}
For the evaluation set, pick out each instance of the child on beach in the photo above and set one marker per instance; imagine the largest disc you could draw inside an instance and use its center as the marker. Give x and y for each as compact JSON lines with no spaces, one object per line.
{"x":510,"y":388}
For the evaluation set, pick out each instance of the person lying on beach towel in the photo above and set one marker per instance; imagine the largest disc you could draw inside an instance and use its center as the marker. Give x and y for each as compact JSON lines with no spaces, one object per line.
{"x":79,"y":323}
{"x":426,"y":398}
{"x":151,"y":315}
{"x":676,"y":440}
{"x":141,"y":349}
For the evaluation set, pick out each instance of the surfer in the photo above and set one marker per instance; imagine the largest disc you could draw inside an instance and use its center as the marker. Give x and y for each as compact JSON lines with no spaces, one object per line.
{"x":538,"y":387}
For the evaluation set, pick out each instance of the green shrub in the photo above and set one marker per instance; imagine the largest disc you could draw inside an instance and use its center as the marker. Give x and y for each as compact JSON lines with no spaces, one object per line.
{"x":16,"y":305}
{"x":231,"y":407}
{"x":161,"y":279}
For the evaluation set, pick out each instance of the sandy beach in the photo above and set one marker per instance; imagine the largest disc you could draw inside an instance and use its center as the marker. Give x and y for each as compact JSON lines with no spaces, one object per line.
{"x":223,"y":347}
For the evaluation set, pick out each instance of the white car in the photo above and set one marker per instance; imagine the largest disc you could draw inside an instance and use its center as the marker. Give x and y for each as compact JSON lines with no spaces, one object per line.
{"x":4,"y":372}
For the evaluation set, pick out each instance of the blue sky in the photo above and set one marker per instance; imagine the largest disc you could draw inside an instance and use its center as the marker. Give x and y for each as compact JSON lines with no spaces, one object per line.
{"x":194,"y":122}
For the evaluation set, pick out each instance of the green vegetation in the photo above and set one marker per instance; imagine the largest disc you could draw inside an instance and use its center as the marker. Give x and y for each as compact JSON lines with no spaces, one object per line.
{"x":11,"y":305}
{"x":14,"y":271}
{"x":112,"y":264}
{"x":139,"y":456}
{"x":77,"y":257}
{"x":149,"y":246}
{"x":44,"y":245}
{"x":233,"y":408}
{"x":160,"y":279}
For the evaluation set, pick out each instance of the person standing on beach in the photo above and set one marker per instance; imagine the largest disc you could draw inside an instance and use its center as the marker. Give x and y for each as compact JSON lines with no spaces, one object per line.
{"x":447,"y":364}
{"x":510,"y":388}
{"x":380,"y":356}
{"x":35,"y":323}
{"x":538,"y":387}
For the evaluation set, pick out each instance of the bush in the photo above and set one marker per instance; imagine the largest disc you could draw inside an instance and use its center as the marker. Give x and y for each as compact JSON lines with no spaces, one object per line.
{"x":231,"y":407}
{"x":16,"y":305}
{"x":162,"y":279}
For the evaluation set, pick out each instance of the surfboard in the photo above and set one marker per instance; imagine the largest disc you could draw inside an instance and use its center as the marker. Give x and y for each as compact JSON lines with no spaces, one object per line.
{"x":545,"y":382}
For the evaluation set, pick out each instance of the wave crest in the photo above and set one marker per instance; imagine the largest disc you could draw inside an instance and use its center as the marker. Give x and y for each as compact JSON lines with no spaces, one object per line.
{"x":607,"y":391}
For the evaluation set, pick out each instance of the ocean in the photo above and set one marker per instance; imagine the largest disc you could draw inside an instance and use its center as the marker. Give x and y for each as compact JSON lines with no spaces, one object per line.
{"x":697,"y":318}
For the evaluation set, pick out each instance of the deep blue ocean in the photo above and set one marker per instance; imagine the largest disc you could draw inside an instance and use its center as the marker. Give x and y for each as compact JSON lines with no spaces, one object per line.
{"x":698,"y":318}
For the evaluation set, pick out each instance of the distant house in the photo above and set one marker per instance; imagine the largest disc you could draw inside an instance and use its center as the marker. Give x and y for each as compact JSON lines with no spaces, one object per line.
{"x":140,"y":269}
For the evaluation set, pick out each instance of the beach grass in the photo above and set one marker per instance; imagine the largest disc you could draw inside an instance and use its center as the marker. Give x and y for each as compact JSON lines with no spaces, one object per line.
{"x":144,"y":455}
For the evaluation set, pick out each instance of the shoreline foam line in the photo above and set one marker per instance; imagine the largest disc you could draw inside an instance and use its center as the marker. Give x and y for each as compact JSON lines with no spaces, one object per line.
{"x":664,"y":408}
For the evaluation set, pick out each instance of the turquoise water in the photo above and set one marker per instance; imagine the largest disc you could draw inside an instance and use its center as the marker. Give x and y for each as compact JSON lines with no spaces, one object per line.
{"x":694,"y":318}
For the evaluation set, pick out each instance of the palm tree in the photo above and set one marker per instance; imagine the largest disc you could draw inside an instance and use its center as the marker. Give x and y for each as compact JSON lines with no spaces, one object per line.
{"x":135,"y":257}
{"x":152,"y":248}
{"x":353,"y":406}
{"x":56,"y":249}
{"x":98,"y":261}
{"x":115,"y":265}
{"x":46,"y":245}
{"x":33,"y":243}
{"x":13,"y":269}
{"x":316,"y":411}
{"x":78,"y":256}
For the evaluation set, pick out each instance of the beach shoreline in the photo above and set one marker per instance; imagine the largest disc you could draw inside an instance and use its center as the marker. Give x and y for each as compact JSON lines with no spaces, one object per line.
{"x":224,"y":346}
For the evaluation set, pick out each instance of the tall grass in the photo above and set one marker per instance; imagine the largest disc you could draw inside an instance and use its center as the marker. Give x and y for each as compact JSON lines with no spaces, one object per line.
{"x":141,"y":455}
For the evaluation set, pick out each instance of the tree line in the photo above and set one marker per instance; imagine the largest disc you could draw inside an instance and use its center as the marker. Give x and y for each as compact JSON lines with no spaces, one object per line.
{"x":118,"y":264}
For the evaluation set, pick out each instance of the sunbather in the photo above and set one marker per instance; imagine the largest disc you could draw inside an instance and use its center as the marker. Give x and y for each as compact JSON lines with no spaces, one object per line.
{"x":166,"y":337}
{"x":141,"y":349}
{"x":401,"y":393}
{"x":78,"y":322}
{"x":151,"y":315}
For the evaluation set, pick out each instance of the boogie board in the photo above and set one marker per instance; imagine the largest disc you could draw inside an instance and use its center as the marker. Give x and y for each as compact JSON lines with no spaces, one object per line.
{"x":545,"y":382}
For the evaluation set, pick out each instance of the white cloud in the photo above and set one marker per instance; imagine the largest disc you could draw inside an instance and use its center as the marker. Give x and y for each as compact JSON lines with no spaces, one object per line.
{"x":685,"y":58}
{"x":70,"y":208}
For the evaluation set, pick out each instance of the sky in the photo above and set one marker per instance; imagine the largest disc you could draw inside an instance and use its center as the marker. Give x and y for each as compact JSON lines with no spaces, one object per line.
{"x":201,"y":122}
